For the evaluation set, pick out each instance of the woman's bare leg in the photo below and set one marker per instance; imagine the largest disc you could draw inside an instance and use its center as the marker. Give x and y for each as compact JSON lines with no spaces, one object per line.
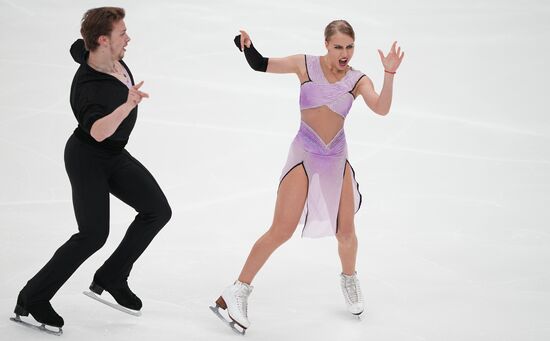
{"x":291,"y":198}
{"x":347,"y":240}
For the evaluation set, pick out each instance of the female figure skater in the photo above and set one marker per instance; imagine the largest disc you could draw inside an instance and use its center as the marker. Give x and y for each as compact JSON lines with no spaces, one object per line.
{"x":105,"y":102}
{"x":317,"y":186}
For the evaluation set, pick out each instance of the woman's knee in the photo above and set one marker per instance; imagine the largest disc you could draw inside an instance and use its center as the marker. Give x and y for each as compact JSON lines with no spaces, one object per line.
{"x":280,"y":233}
{"x":346,"y":236}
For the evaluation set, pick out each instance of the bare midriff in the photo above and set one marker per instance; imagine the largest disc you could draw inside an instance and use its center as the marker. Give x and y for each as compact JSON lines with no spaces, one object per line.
{"x":324,"y":121}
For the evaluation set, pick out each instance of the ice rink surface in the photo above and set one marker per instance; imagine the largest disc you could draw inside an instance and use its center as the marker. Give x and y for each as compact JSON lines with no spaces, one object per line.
{"x":454,"y":232}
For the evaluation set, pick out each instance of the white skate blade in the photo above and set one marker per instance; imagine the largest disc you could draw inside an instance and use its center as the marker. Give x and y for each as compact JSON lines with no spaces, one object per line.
{"x":41,"y":328}
{"x":112,"y":305}
{"x":231,"y":324}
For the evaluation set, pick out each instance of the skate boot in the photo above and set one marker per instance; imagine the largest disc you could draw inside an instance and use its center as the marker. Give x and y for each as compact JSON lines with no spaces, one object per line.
{"x":235,"y":299}
{"x":42,"y":312}
{"x":128,"y":302}
{"x":352,"y":293}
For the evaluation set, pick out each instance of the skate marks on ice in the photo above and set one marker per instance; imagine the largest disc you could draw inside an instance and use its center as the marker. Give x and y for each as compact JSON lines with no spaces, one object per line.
{"x":41,"y":328}
{"x":227,"y":321}
{"x":112,"y":305}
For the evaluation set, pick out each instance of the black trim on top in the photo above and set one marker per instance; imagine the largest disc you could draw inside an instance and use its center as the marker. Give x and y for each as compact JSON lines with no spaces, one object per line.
{"x":351,"y":91}
{"x":307,"y":71}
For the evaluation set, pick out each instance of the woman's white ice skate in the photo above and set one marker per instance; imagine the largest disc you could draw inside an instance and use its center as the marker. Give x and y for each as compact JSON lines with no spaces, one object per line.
{"x":352,"y":294}
{"x":234,"y":299}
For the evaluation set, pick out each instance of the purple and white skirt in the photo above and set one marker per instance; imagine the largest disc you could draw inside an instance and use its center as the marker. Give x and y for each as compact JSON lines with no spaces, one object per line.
{"x":324,"y":165}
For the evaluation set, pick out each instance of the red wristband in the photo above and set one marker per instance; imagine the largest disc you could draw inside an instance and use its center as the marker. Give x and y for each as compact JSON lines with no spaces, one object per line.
{"x":393,"y":73}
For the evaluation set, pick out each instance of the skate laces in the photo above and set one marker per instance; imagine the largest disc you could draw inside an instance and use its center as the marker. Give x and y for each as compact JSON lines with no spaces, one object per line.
{"x":352,"y":288}
{"x":241,"y":296}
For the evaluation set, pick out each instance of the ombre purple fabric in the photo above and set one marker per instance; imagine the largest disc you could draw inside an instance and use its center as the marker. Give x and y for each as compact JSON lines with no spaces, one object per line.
{"x":324,"y":164}
{"x":317,"y":92}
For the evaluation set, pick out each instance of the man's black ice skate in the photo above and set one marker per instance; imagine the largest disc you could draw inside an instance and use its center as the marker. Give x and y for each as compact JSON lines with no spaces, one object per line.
{"x":128,"y":302}
{"x":42,"y":312}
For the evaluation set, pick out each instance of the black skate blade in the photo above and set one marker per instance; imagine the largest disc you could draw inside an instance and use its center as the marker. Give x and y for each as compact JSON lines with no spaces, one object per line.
{"x":41,"y":328}
{"x":231,"y":324}
{"x":112,"y":305}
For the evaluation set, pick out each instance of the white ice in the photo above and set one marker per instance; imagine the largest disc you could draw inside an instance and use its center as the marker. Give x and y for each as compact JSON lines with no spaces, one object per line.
{"x":455,"y":229}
